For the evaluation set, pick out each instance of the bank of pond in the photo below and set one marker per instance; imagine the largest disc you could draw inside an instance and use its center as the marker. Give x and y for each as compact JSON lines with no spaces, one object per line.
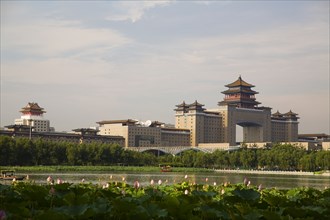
{"x":55,"y":199}
{"x":40,"y":152}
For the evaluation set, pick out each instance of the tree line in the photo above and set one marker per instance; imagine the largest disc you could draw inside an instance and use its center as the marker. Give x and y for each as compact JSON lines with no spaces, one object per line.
{"x":25,"y":152}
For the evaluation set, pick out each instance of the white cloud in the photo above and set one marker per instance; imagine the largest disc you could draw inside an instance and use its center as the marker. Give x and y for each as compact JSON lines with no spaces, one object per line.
{"x":50,"y":38}
{"x":133,"y":10}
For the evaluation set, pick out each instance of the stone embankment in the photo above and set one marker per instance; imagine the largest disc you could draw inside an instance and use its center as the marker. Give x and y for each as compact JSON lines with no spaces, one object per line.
{"x":271,"y":172}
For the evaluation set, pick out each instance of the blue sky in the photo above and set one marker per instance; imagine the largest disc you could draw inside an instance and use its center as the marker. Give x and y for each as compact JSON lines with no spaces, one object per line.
{"x":86,"y":61}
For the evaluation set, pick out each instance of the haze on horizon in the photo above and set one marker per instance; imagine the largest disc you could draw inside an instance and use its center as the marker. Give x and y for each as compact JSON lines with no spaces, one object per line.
{"x":86,"y":61}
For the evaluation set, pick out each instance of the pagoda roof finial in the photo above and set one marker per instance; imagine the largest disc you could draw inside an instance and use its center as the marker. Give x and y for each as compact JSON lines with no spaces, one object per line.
{"x":239,"y":82}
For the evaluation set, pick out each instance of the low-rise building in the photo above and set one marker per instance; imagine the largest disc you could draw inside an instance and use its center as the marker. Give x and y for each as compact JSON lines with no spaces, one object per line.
{"x":145,"y":134}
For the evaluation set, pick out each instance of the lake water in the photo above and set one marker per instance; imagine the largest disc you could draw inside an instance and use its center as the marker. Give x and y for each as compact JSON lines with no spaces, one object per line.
{"x":267,"y":180}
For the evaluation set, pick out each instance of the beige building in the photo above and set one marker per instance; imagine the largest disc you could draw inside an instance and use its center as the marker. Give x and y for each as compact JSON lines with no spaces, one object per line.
{"x":171,"y":137}
{"x":284,"y":127}
{"x":145,"y":134}
{"x":239,"y":107}
{"x":204,"y":125}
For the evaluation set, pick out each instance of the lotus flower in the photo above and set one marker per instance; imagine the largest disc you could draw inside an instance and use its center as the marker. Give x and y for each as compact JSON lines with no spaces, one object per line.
{"x":2,"y":215}
{"x":186,"y":176}
{"x":83,"y":180}
{"x":49,"y":179}
{"x":14,"y":179}
{"x":123,"y":179}
{"x":59,"y":181}
{"x":186,"y":192}
{"x":222,"y":191}
{"x":214,"y":184}
{"x":249,"y":183}
{"x":105,"y":186}
{"x":136,"y":184}
{"x":245,"y":181}
{"x":159,"y":182}
{"x":206,"y":179}
{"x":152,"y":182}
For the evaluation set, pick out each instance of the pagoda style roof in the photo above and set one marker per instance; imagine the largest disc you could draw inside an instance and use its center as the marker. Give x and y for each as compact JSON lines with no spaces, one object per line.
{"x":125,"y":121}
{"x":86,"y":131}
{"x":246,"y":101}
{"x":277,"y":114}
{"x":32,"y":107}
{"x":239,"y":82}
{"x":291,"y":113}
{"x":16,"y":127}
{"x":196,"y":104}
{"x":182,"y":105}
{"x":239,"y":90}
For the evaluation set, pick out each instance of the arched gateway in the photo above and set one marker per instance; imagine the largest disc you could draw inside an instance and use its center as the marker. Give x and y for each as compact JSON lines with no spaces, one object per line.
{"x":240,"y":107}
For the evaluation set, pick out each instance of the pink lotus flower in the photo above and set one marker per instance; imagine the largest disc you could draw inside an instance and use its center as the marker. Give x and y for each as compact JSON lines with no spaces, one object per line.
{"x":206,"y":179}
{"x":49,"y":179}
{"x":2,"y":215}
{"x":136,"y":184}
{"x":59,"y":181}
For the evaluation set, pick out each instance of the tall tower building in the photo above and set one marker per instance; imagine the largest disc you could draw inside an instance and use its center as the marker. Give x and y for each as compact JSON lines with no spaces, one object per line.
{"x":238,"y":108}
{"x":240,"y":94}
{"x":32,"y":115}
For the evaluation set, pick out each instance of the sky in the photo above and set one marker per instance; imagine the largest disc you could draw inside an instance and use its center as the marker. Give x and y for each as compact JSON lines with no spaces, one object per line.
{"x":88,"y":61}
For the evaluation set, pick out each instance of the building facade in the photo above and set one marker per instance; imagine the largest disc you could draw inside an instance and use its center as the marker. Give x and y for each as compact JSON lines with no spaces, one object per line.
{"x":204,"y":126}
{"x":32,"y":115}
{"x":239,"y":107}
{"x":145,"y":134}
{"x":79,"y":136}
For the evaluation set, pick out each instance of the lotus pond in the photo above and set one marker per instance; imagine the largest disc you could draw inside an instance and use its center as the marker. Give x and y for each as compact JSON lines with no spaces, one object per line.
{"x":157,"y":200}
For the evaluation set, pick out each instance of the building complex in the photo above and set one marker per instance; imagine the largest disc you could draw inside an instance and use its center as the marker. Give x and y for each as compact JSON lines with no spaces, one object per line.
{"x":195,"y":125}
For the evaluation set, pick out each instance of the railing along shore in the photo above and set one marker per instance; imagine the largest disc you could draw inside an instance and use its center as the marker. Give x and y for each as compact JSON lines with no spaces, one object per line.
{"x":300,"y":173}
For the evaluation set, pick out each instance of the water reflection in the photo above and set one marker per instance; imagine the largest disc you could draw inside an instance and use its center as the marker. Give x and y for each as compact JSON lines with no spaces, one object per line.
{"x":268,"y":181}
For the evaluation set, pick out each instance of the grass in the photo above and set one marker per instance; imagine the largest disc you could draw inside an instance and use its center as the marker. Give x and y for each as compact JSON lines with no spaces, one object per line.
{"x":99,"y":168}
